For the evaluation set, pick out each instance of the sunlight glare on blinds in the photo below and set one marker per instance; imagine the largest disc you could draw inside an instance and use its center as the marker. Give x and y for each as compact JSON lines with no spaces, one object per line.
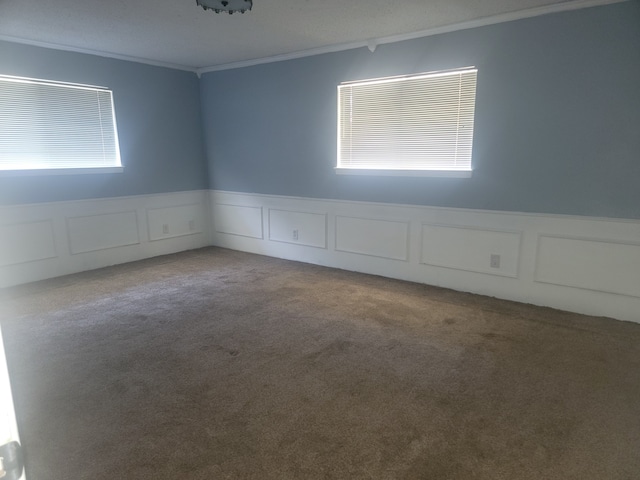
{"x":48,"y":125}
{"x":420,"y":122}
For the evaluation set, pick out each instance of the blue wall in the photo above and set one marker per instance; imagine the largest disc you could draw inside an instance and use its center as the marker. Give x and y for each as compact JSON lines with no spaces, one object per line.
{"x":158,"y":115}
{"x":557,"y":118}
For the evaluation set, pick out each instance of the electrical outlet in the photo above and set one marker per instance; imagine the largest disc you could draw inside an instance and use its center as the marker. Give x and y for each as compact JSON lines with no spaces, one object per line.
{"x":495,"y":261}
{"x":165,"y":228}
{"x":192,"y":225}
{"x":295,"y":234}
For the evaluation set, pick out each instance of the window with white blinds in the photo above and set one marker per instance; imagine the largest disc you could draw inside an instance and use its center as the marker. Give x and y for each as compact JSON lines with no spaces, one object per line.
{"x":46,"y":125}
{"x":411,"y":123}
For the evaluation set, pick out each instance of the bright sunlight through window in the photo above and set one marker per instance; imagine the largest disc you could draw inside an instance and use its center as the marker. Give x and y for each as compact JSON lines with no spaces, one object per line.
{"x":53,"y":126}
{"x":409,"y":125}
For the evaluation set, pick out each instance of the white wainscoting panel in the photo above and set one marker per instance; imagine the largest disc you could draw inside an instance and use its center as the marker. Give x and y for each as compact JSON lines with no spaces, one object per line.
{"x":590,"y":264}
{"x":244,"y":221}
{"x":581,"y":264}
{"x":26,"y":242}
{"x":299,"y":228}
{"x":471,"y":249}
{"x":377,"y":238}
{"x":100,"y":232}
{"x":40,"y":241}
{"x":169,"y":222}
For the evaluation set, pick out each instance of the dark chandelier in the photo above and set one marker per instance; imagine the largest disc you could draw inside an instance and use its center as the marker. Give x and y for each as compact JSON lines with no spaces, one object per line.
{"x":230,"y":6}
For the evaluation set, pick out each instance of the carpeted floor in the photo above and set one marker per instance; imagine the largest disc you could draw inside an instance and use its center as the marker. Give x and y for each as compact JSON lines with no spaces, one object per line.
{"x":215,"y":364}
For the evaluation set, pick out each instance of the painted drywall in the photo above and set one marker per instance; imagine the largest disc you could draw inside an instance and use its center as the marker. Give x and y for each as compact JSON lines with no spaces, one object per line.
{"x":557,"y":118}
{"x":158,"y":117}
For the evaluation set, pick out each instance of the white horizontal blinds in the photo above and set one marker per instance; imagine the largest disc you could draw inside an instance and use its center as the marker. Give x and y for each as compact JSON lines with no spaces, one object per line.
{"x":422,"y":122}
{"x":45,"y":125}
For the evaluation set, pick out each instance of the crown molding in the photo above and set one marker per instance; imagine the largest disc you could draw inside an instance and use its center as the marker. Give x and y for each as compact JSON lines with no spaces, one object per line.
{"x":98,"y":53}
{"x":371,"y":44}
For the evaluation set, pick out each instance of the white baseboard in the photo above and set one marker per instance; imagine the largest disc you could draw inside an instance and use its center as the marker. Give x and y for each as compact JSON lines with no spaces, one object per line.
{"x":580,"y":264}
{"x":47,"y":240}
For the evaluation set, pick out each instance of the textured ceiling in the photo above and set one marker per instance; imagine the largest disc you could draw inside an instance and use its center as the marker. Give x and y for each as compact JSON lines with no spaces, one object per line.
{"x":179,"y":33}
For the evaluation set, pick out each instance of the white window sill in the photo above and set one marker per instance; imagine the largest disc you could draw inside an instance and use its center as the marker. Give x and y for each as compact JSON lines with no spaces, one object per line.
{"x":60,"y":171}
{"x":404,"y":173}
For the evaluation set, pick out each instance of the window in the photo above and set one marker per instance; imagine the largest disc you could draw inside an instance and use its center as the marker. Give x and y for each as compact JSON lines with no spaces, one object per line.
{"x":51,"y":127}
{"x":417,"y":124}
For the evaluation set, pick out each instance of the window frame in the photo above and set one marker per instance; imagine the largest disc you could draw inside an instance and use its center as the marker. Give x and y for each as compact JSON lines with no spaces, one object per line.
{"x":342,"y":169}
{"x":69,"y":170}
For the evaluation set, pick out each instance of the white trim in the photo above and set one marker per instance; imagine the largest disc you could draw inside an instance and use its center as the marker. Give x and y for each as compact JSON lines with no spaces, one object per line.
{"x":371,"y":44}
{"x":97,"y":53}
{"x":412,"y":76}
{"x":55,"y":83}
{"x":430,"y":207}
{"x":60,"y":171}
{"x":148,"y":196}
{"x":7,"y":408}
{"x":403,"y":173}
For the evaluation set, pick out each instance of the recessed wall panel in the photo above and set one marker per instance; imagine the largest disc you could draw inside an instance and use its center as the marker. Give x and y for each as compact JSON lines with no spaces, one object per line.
{"x":99,"y":232}
{"x":591,"y":264}
{"x":168,"y":222}
{"x":471,"y":249}
{"x":238,"y":220}
{"x":26,"y":242}
{"x":378,"y":238}
{"x":299,"y":228}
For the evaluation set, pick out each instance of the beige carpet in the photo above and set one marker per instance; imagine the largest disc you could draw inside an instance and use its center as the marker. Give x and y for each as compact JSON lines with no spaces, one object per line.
{"x":216,"y":364}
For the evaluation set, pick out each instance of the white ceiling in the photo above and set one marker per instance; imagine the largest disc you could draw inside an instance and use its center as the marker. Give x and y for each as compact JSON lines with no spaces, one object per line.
{"x":181,"y":34}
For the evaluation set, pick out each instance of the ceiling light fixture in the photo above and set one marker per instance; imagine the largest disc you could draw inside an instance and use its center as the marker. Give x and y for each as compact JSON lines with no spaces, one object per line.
{"x":230,"y":6}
